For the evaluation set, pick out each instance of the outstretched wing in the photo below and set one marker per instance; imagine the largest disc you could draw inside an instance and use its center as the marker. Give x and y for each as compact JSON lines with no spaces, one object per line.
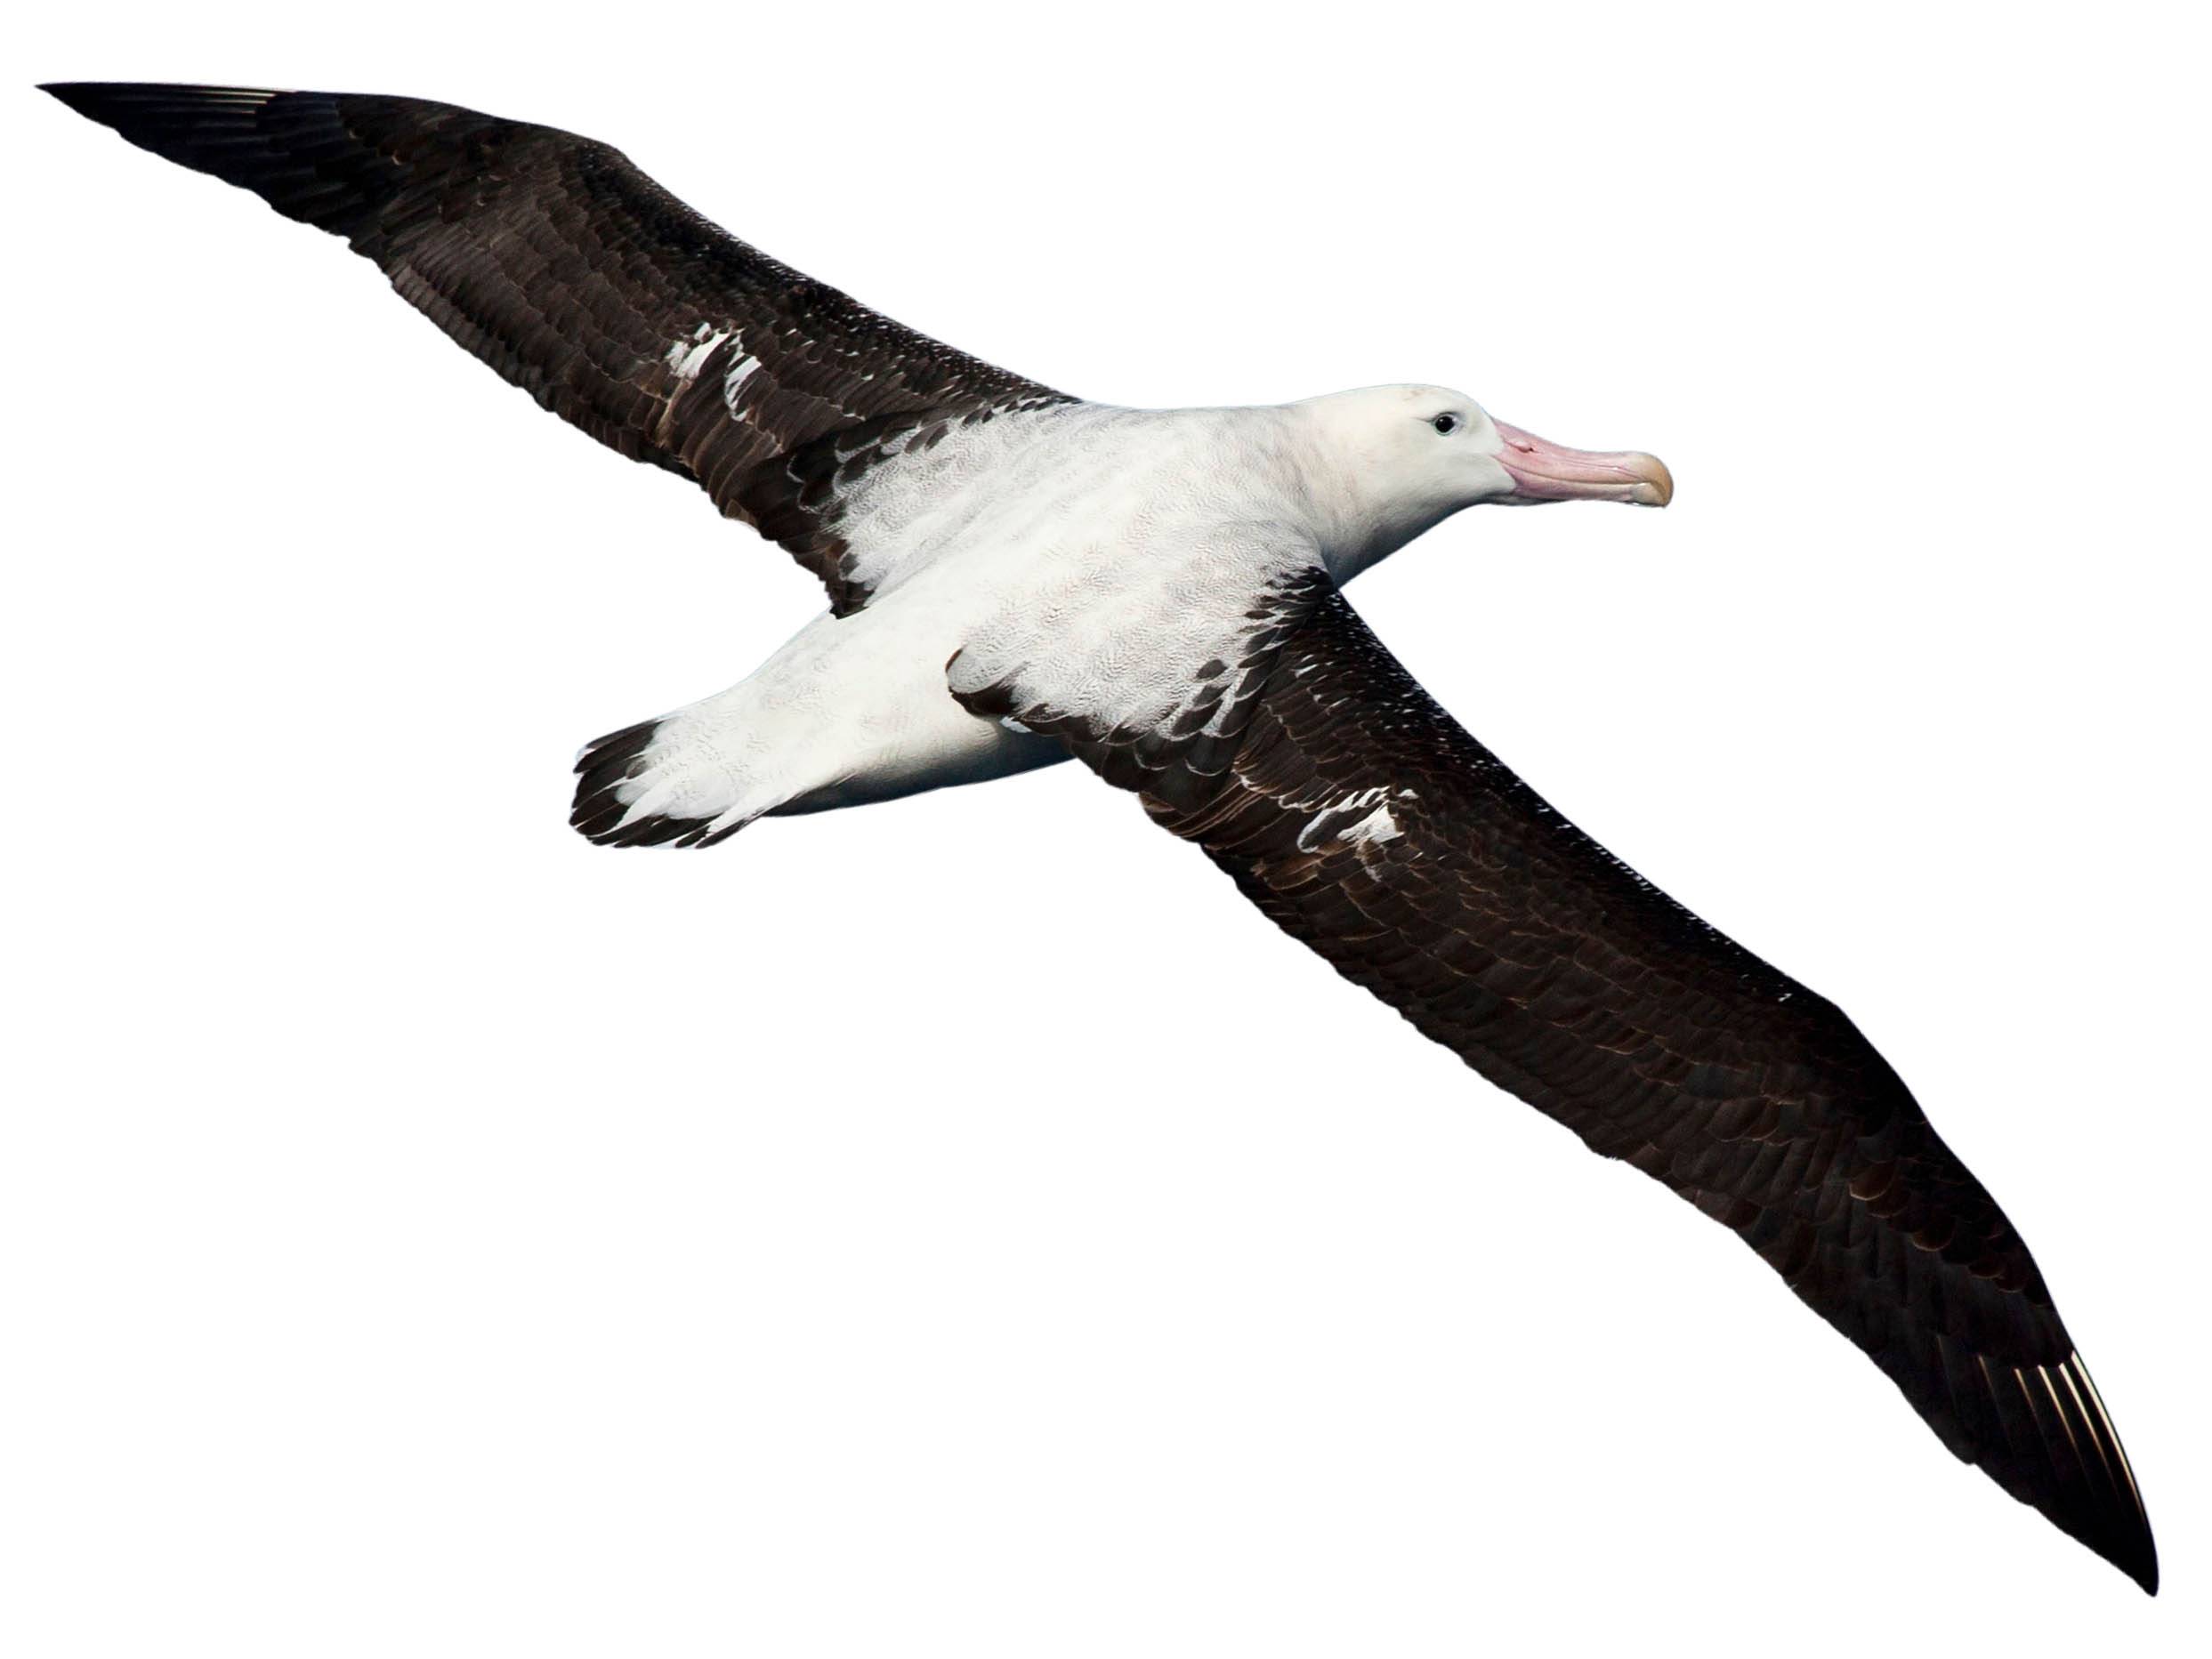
{"x":1362,"y":819}
{"x":584,"y":283}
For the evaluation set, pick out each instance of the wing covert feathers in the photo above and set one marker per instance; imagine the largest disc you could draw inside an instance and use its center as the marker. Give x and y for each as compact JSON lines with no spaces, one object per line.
{"x":579,"y":280}
{"x":1365,"y":822}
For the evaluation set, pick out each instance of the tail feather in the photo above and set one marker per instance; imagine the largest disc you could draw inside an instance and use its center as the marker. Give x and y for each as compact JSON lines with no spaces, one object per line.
{"x":637,"y":788}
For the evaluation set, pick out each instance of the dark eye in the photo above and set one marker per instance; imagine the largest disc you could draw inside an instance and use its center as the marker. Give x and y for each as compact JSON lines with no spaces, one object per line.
{"x":1445,"y":424}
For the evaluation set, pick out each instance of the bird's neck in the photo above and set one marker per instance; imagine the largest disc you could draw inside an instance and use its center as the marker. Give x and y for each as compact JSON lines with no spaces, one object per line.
{"x":1356,"y":523}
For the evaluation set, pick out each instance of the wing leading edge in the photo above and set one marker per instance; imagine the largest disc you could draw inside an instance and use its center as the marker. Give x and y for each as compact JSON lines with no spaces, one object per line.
{"x":579,"y":280}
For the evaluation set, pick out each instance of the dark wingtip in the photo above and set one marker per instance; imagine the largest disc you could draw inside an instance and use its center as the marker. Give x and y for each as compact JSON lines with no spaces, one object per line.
{"x":2078,"y":1474}
{"x":2129,"y":1544}
{"x":117,"y":103}
{"x":89,"y":99}
{"x":2126,"y":1542}
{"x":2138,"y":1558}
{"x":196,"y":126}
{"x":296,"y":150}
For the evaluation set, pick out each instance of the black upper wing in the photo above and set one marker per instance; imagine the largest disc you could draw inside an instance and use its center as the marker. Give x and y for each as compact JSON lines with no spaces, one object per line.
{"x":581,"y":281}
{"x":1364,"y":821}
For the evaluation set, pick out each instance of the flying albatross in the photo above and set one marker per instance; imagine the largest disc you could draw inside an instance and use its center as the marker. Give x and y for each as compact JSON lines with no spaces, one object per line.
{"x":1016,"y":576}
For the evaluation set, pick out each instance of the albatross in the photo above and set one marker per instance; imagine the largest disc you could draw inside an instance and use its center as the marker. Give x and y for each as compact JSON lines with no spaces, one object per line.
{"x":1017,"y":576}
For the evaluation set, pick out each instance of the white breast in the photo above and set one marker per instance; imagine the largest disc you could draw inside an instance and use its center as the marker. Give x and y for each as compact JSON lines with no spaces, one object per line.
{"x":1112,"y":546}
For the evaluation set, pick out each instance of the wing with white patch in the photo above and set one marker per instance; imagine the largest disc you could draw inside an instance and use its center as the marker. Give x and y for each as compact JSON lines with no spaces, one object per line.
{"x":581,"y":281}
{"x":1364,"y":821}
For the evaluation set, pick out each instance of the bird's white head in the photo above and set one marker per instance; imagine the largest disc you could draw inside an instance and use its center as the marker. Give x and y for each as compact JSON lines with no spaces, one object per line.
{"x":1396,"y":460}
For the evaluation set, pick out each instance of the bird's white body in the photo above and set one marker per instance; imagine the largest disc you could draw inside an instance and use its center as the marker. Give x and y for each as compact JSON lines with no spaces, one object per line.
{"x":1017,"y":576}
{"x":1116,"y":539}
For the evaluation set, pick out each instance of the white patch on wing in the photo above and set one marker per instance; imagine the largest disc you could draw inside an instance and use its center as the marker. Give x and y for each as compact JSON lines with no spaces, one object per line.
{"x":1376,"y":824}
{"x":739,"y":373}
{"x":686,"y":355}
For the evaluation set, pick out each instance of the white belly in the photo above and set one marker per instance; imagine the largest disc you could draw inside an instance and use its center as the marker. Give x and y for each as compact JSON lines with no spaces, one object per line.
{"x":861,"y":713}
{"x":851,"y":710}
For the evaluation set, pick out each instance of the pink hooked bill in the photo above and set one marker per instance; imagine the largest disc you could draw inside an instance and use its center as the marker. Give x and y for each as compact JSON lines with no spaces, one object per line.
{"x":1544,"y":471}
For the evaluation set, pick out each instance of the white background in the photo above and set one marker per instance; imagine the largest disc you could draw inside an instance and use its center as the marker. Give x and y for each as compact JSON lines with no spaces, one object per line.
{"x":960,"y":1225}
